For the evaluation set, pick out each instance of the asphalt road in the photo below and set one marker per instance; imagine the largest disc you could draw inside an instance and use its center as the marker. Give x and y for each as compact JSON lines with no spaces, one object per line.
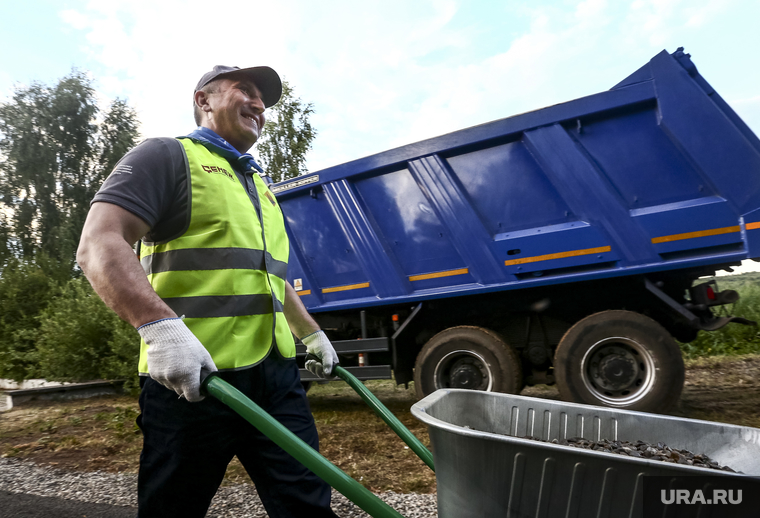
{"x":18,"y":505}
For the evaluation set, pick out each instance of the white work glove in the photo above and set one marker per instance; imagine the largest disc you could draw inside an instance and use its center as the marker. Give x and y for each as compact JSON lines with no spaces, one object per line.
{"x":176,"y":357}
{"x":319,"y":345}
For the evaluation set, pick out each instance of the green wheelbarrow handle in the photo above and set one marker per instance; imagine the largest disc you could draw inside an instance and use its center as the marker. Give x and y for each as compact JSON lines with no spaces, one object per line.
{"x":214,"y":386}
{"x":386,"y":415}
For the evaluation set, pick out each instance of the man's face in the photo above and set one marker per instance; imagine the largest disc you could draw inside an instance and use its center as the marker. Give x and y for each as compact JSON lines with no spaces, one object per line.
{"x":236,"y":112}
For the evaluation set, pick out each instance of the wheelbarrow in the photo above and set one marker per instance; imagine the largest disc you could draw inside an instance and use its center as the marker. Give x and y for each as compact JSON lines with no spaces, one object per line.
{"x":214,"y":386}
{"x":489,"y":466}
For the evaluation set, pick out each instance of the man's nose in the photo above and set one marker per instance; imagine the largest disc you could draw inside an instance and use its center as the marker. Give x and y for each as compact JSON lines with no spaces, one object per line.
{"x":257,"y":105}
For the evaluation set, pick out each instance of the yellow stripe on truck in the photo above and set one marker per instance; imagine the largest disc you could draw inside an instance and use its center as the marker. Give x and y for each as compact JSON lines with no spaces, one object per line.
{"x":436,"y":275}
{"x":559,"y":255}
{"x":346,"y":287}
{"x":692,"y":235}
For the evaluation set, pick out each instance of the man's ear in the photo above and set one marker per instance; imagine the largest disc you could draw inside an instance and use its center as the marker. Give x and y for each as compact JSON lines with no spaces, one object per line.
{"x":201,"y":100}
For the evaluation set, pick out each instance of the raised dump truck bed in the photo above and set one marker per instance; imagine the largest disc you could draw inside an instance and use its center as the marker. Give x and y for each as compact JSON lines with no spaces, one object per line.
{"x":468,"y":257}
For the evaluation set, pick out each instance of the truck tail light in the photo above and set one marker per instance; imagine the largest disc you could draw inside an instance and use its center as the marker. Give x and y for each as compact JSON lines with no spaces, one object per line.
{"x":706,"y":295}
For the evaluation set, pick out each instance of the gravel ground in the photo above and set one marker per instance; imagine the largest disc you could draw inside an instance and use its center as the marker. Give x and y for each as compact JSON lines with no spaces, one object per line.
{"x":239,"y":501}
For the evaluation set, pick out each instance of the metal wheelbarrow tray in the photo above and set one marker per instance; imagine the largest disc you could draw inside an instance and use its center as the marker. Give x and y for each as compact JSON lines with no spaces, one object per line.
{"x":484,"y":468}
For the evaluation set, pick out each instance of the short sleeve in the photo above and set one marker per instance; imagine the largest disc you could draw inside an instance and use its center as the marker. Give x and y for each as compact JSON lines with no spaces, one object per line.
{"x":150,"y":181}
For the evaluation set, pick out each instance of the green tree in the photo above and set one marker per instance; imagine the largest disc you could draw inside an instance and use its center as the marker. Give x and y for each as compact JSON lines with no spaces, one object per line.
{"x":56,"y":148}
{"x":80,"y":339}
{"x":287,"y":136}
{"x":5,"y":250}
{"x":26,"y":288}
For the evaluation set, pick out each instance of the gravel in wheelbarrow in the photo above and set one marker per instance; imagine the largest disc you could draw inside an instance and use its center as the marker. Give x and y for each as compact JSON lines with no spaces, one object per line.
{"x":641,"y":450}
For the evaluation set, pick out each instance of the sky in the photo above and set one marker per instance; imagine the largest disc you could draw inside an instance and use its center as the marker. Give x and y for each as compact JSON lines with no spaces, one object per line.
{"x":379,"y":74}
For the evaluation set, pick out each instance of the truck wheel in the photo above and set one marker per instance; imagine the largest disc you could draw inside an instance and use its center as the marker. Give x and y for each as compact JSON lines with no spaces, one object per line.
{"x":468,"y":358}
{"x":619,"y":359}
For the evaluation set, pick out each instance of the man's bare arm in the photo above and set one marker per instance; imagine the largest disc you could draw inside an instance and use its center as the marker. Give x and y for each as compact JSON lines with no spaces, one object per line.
{"x":299,"y":320}
{"x":106,"y":257}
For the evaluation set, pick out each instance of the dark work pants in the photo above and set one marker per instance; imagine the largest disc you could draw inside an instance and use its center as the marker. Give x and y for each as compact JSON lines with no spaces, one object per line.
{"x":187,"y":447}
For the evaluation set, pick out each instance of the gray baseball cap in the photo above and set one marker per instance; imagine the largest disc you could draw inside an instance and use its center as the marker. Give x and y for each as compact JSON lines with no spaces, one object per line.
{"x":265,"y":78}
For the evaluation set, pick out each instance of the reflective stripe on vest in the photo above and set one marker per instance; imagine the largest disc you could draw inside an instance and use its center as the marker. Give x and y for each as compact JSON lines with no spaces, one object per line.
{"x":221,"y":273}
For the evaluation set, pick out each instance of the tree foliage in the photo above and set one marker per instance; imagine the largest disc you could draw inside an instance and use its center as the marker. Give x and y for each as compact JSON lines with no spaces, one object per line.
{"x":57,"y":328}
{"x":26,"y":288}
{"x":56,"y":148}
{"x":80,"y":339}
{"x":286,"y":137}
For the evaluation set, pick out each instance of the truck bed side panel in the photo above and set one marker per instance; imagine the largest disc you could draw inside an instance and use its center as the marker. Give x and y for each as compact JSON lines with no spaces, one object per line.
{"x":656,"y":174}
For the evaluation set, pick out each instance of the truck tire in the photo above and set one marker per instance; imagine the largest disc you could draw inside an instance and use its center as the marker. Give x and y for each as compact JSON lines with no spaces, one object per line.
{"x":619,"y":359}
{"x":470,"y":358}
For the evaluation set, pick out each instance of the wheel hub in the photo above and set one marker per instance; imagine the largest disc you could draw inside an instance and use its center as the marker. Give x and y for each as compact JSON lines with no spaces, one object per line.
{"x":463,"y":369}
{"x":613,"y":368}
{"x":465,"y":375}
{"x":617,"y":371}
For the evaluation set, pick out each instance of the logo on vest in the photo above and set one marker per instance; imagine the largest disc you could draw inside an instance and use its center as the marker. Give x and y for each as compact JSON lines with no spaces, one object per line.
{"x":212,"y":169}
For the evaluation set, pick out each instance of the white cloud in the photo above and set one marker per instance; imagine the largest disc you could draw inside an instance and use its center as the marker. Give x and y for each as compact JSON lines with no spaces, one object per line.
{"x":651,"y":19}
{"x":749,"y":111}
{"x":380,"y":73}
{"x":75,"y":19}
{"x":702,"y":14}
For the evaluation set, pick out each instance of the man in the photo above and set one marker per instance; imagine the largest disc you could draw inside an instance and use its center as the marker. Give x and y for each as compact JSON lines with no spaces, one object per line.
{"x":215,"y":297}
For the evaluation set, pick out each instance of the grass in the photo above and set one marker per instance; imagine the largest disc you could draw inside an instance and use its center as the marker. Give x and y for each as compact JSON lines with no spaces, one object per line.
{"x":87,"y":436}
{"x":353,"y":438}
{"x":733,"y":339}
{"x":102,"y":434}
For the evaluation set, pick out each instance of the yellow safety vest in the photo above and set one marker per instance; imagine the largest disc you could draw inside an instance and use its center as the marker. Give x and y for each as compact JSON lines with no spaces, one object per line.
{"x":223,"y":273}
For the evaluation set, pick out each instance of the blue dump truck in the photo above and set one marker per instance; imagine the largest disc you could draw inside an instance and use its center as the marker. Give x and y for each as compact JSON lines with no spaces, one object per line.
{"x":556,"y":246}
